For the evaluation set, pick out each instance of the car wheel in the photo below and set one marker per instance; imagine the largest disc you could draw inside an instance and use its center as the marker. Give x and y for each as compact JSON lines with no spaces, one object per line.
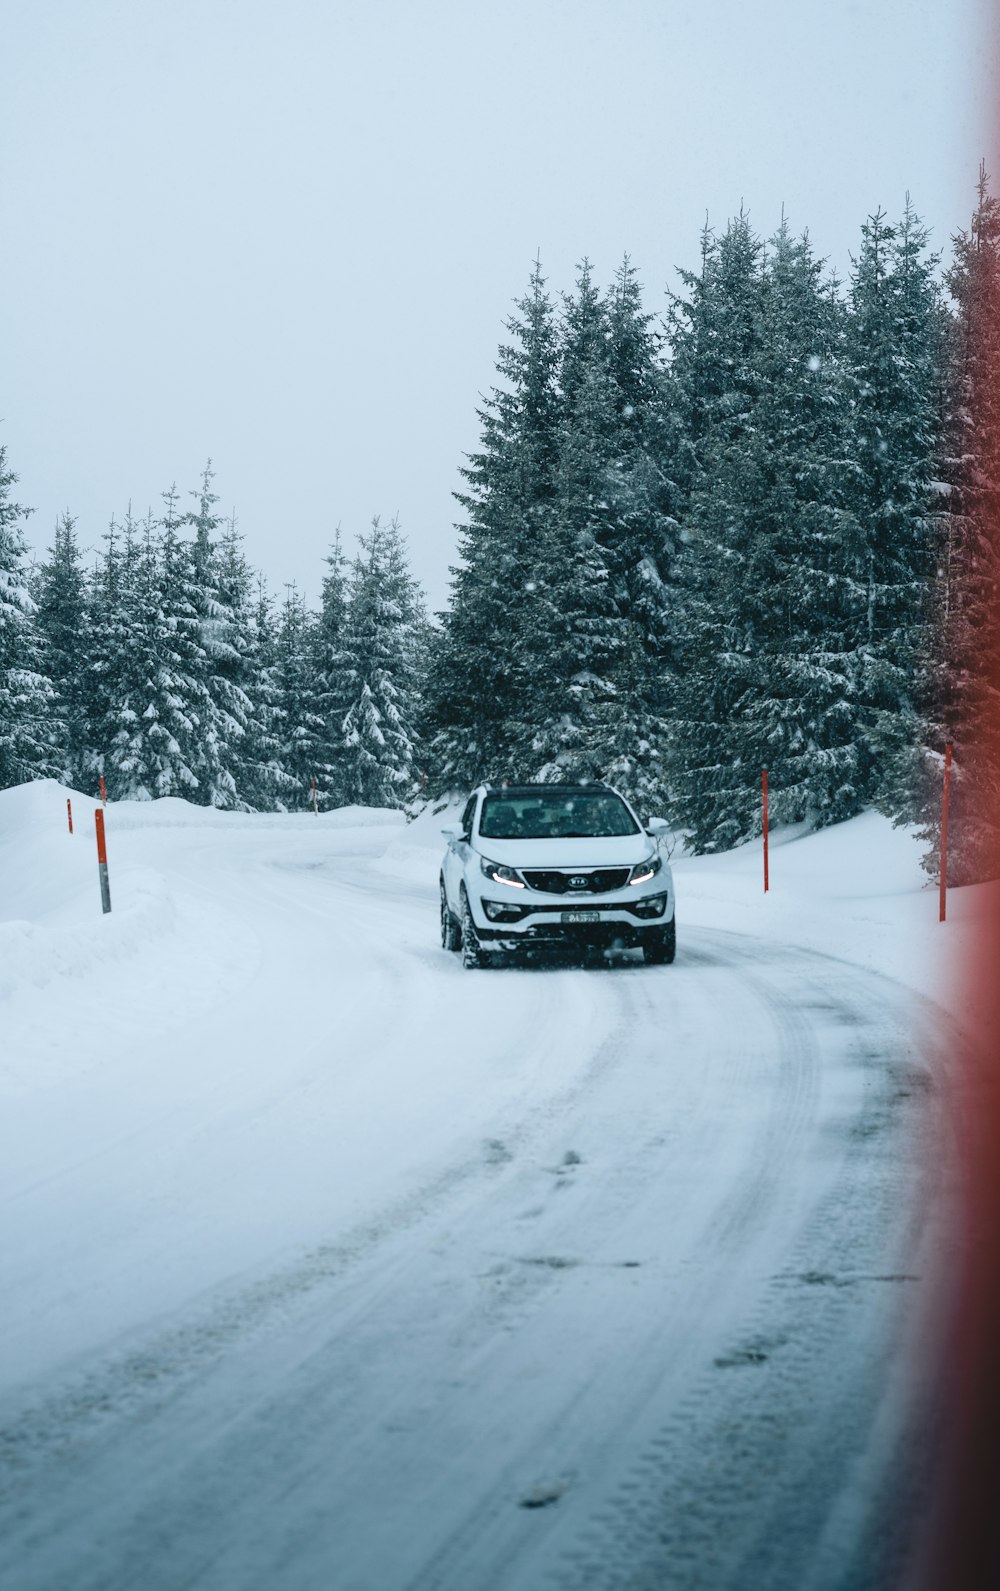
{"x":473,"y":954}
{"x":664,"y":947}
{"x":451,"y":934}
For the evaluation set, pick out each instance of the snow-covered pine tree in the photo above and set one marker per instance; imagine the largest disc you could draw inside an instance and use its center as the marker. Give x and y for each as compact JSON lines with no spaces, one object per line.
{"x":61,"y":627}
{"x":717,"y":335}
{"x":894,"y":333}
{"x":221,"y":667}
{"x":646,"y":495}
{"x":189,"y":762}
{"x":477,"y":680}
{"x":110,"y":632}
{"x":592,"y":652}
{"x":30,"y":731}
{"x":332,"y":685}
{"x":383,"y":634}
{"x":262,"y":780}
{"x":142,"y":725}
{"x":779,"y":568}
{"x":964,"y":706}
{"x":562,"y":725}
{"x":231,"y":646}
{"x":296,"y":718}
{"x":713,"y":334}
{"x":155,"y":702}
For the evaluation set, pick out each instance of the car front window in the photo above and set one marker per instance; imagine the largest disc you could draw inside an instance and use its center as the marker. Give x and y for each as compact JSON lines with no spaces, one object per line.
{"x":564,"y":815}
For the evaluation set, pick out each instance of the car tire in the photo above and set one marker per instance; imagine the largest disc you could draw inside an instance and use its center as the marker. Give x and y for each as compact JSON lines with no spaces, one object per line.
{"x":451,"y":933}
{"x":473,"y":954}
{"x":662,"y":949}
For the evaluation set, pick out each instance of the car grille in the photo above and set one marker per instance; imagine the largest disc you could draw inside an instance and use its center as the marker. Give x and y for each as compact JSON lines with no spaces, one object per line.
{"x":598,"y":882}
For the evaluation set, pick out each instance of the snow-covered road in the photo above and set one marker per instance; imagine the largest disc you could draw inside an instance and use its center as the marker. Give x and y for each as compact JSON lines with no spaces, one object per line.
{"x":327,"y":1264}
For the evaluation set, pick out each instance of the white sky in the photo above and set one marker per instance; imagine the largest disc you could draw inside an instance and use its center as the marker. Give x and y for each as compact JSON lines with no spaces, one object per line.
{"x":288,"y":234}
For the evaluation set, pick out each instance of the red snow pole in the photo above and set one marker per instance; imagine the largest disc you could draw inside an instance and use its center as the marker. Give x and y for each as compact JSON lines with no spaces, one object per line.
{"x":69,"y":814}
{"x":104,"y":793}
{"x":763,"y":791}
{"x":315,"y":806}
{"x":945,"y":793}
{"x":102,"y":860}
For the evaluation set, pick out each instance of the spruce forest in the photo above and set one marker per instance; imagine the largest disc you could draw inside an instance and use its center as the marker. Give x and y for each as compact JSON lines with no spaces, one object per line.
{"x":744,"y":532}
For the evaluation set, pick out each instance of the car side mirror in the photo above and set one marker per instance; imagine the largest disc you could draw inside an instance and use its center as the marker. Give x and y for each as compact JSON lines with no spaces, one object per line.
{"x":453,"y":831}
{"x":657,"y":827}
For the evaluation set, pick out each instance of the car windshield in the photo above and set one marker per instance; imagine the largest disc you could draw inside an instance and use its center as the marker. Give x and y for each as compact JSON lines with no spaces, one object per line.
{"x":561,"y":815}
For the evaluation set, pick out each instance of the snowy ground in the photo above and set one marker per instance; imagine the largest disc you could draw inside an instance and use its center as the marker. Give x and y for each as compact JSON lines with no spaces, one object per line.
{"x":327,"y":1264}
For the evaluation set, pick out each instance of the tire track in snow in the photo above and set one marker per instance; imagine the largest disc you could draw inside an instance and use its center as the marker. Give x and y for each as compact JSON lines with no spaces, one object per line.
{"x":825,"y":1405}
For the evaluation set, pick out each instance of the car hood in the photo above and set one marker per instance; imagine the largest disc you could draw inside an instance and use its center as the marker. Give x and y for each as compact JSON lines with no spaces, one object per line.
{"x":616,"y":851}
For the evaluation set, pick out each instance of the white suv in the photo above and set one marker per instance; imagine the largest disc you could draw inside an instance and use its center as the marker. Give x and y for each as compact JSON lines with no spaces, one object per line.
{"x":555,"y":864}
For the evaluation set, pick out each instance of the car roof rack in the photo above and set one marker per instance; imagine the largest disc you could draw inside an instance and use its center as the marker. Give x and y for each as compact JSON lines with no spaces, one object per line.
{"x":535,"y":789}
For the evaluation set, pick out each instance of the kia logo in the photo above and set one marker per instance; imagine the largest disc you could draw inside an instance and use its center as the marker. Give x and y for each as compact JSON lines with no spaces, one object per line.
{"x":580,"y":882}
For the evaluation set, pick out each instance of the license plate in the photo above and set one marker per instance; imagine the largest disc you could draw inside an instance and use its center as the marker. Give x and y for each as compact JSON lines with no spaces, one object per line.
{"x":581,"y":917}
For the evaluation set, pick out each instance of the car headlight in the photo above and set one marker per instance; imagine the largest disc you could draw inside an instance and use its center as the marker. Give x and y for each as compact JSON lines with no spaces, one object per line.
{"x":642,"y":872}
{"x":501,"y":875}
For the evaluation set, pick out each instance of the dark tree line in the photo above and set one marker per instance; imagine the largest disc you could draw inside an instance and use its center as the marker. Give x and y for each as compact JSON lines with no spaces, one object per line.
{"x":753,"y":531}
{"x":742,"y":536}
{"x":169,"y":670}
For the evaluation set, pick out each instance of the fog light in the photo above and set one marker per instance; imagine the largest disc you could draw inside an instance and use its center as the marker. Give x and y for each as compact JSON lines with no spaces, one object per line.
{"x":502,"y":911}
{"x":655,"y":906}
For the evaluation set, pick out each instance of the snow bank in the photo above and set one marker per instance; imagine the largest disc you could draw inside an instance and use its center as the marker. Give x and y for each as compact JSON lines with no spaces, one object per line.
{"x":855,"y":891}
{"x":53,"y":934}
{"x":51,"y":923}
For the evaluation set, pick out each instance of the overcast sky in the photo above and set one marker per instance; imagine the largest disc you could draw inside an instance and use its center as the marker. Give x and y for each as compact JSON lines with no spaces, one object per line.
{"x":287,"y":235}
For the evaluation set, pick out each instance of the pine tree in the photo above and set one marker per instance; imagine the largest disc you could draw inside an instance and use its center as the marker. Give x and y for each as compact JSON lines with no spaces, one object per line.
{"x":110,"y":629}
{"x":264,"y":783}
{"x":717,"y":343}
{"x":29,"y":728}
{"x":477,"y":677}
{"x":776,"y":565}
{"x":154,"y":713}
{"x":230,"y":646}
{"x":332,"y":687}
{"x":714,"y":337}
{"x":222,"y":714}
{"x":297,"y":722}
{"x":382,"y":634}
{"x":147,"y":728}
{"x":563,"y":725}
{"x":646,"y":495}
{"x":801,"y":669}
{"x":807,"y":565}
{"x":965,"y":669}
{"x":894,"y":330}
{"x":61,"y":627}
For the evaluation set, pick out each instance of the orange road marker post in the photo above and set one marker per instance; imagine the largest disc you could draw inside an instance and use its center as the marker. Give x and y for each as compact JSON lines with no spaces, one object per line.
{"x":104,"y":793}
{"x":945,"y":793}
{"x":763,"y":791}
{"x":102,"y":860}
{"x":69,"y":814}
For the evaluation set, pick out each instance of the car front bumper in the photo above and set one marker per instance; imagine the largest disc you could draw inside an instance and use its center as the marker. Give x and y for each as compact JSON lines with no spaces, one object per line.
{"x":603,"y":935}
{"x":625,"y":921}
